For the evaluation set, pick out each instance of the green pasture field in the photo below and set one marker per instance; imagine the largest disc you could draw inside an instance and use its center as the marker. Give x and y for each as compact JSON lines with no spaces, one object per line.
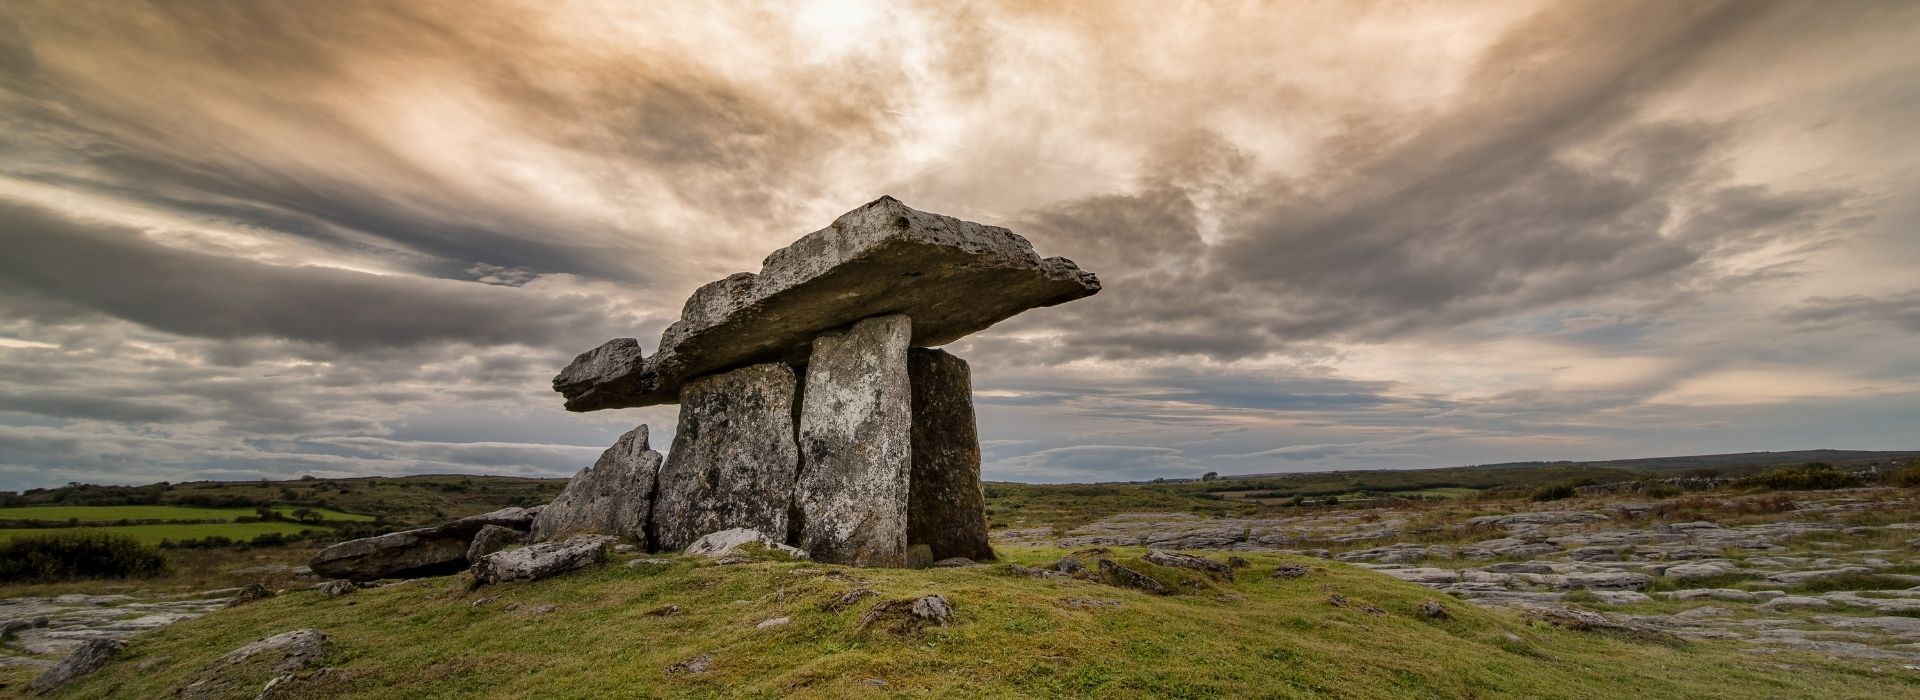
{"x":153,"y":534}
{"x":97,"y":514}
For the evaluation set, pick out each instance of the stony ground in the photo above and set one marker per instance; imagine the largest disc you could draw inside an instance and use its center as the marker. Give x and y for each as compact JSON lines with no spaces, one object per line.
{"x":1830,"y":572}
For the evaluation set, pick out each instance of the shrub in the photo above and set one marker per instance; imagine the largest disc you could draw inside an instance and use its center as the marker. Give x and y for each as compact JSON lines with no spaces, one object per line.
{"x":1907,"y":476}
{"x":76,"y":555}
{"x":1812,"y":476}
{"x":1555,"y":492}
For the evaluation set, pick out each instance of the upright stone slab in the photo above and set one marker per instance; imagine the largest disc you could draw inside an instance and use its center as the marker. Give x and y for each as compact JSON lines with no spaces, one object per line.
{"x":855,"y":445}
{"x":946,"y":510}
{"x":733,"y":461}
{"x":612,"y":497}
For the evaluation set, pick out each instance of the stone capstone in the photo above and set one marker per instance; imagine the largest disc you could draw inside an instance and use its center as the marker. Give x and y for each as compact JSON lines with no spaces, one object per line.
{"x":855,"y":445}
{"x":734,"y":459}
{"x":614,"y":496}
{"x":946,"y":508}
{"x":952,"y":277}
{"x":429,"y":551}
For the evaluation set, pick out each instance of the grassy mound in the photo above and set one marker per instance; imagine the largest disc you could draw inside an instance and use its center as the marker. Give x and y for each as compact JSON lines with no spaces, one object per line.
{"x":611,"y":633}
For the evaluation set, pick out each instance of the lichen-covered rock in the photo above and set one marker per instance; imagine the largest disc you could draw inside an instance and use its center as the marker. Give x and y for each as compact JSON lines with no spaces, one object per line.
{"x":84,"y":659}
{"x":490,"y":539}
{"x":614,"y":496}
{"x":249,"y":593}
{"x":727,"y":543}
{"x":953,"y":277}
{"x":733,"y":460}
{"x":1188,"y":561}
{"x":1120,"y":575}
{"x":538,"y":561}
{"x":428,"y":551}
{"x":855,"y":445}
{"x":242,"y":671}
{"x":909,"y":615}
{"x":946,"y":508}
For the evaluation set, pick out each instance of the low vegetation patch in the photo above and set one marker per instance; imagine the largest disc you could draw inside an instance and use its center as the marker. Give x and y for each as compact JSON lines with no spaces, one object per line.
{"x":1809,"y":477}
{"x":63,"y":556}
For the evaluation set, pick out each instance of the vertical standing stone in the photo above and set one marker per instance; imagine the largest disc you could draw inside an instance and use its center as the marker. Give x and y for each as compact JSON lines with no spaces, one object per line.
{"x":946,"y":510}
{"x":733,"y":461}
{"x":612,"y":497}
{"x":855,"y":445}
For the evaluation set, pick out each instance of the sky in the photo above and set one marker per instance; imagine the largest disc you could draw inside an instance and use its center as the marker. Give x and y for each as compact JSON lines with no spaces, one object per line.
{"x":268,"y":239}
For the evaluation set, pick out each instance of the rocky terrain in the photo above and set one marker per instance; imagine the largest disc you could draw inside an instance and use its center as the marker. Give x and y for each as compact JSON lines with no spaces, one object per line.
{"x":1833,"y":572}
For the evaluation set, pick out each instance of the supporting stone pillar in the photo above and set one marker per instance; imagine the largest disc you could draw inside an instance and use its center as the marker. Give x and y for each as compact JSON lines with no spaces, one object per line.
{"x":612,"y":497}
{"x":855,"y":445}
{"x":946,"y":510}
{"x":733,"y":461}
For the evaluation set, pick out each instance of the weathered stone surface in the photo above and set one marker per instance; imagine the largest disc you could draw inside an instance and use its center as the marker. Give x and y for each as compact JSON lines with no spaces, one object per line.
{"x":248,"y":667}
{"x":953,"y":277}
{"x":728,"y":542}
{"x":946,"y":509}
{"x":538,"y":561}
{"x":250,"y":593}
{"x":84,"y":659}
{"x":1188,"y":561}
{"x":1122,"y":576}
{"x":855,"y":445}
{"x":490,"y":539}
{"x":429,"y":551}
{"x":734,"y":459}
{"x":612,"y":497}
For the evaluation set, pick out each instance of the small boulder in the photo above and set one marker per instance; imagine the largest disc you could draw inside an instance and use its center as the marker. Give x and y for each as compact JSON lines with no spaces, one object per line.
{"x":1291,"y":571}
{"x":691,"y":667}
{"x":909,"y":615}
{"x":774,"y":622}
{"x":727,"y":543}
{"x":492,"y":538}
{"x":543,"y":560}
{"x":335,"y":589}
{"x":1122,"y":576}
{"x":84,"y":659}
{"x":258,"y":662}
{"x":250,"y":593}
{"x":1433,"y":610}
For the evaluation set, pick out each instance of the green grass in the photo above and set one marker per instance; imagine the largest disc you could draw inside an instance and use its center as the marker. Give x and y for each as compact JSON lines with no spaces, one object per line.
{"x":155,"y":533}
{"x":1013,"y":637}
{"x":90,"y":514}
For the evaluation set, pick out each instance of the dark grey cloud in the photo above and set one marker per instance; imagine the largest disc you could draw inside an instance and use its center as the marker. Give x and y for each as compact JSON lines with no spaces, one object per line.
{"x":88,"y":267}
{"x":1897,"y":310}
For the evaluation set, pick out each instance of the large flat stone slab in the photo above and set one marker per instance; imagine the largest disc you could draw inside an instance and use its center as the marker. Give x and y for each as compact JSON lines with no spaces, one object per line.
{"x":953,"y":277}
{"x":855,"y":451}
{"x":946,"y":508}
{"x":427,"y":551}
{"x":614,"y":496}
{"x":734,"y":459}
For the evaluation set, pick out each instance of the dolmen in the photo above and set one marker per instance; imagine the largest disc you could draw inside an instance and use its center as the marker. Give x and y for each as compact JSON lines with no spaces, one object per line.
{"x":814,"y":408}
{"x":815,"y":412}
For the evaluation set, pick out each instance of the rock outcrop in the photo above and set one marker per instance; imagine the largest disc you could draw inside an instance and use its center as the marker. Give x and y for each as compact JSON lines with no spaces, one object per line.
{"x":265,"y":662}
{"x":855,"y":445}
{"x":946,"y":508}
{"x":543,"y":560}
{"x":953,"y":277}
{"x":733,"y":461}
{"x":430,"y":551}
{"x":614,"y":496}
{"x":84,"y":659}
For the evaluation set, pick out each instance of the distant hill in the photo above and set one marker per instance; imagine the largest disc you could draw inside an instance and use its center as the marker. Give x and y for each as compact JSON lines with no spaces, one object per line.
{"x":1733,"y":464}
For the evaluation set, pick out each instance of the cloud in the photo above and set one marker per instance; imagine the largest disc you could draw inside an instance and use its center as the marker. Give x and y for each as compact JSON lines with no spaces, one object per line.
{"x":1817,"y":313}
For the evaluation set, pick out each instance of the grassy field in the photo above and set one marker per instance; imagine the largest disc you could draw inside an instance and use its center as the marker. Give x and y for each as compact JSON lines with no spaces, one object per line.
{"x":401,"y":501}
{"x":91,"y":514}
{"x":1013,"y":636}
{"x":153,"y":534}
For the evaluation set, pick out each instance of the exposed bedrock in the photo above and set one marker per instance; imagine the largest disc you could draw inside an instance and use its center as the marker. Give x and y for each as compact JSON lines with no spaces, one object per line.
{"x":946,"y":509}
{"x":855,"y":445}
{"x":612,"y":497}
{"x":734,"y":459}
{"x":953,"y":277}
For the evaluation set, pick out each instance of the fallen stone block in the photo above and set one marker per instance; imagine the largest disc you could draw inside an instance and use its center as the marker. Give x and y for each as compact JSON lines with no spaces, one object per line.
{"x":543,"y":560}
